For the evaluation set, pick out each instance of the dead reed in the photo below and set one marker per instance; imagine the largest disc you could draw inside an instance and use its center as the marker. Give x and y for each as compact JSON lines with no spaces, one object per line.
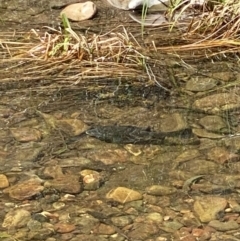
{"x":219,"y":20}
{"x":212,"y":29}
{"x":215,"y":31}
{"x":71,"y":58}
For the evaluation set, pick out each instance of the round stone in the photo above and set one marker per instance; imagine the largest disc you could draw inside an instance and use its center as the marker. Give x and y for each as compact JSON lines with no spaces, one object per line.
{"x":123,"y":195}
{"x":79,"y":11}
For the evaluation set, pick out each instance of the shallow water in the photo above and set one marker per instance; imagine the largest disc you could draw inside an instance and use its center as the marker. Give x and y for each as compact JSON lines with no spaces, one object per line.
{"x":55,"y":176}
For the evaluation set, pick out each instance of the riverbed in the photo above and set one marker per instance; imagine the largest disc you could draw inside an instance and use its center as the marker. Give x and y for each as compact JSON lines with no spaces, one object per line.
{"x":115,"y":151}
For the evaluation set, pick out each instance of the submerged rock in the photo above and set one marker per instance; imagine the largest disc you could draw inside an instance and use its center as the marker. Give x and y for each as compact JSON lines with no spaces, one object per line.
{"x":199,"y":167}
{"x":91,"y":179}
{"x":26,"y":189}
{"x":3,"y":181}
{"x":103,"y":229}
{"x":208,"y":207}
{"x":159,"y":190}
{"x":233,"y":143}
{"x":218,"y":102}
{"x":169,"y":123}
{"x":222,"y":155}
{"x":201,"y":84}
{"x":109,"y":155}
{"x":143,"y":231}
{"x":186,"y":156}
{"x":213,"y":123}
{"x":26,"y":134}
{"x":70,"y":126}
{"x":65,"y":183}
{"x":16,"y":218}
{"x":224,"y":226}
{"x":123,"y":195}
{"x":64,"y":227}
{"x":206,"y":134}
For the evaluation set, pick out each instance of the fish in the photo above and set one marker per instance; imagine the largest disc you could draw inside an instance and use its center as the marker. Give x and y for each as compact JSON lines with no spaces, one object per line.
{"x":136,"y":135}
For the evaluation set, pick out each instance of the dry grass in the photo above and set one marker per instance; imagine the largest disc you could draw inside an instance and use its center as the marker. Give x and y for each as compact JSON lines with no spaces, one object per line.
{"x":204,"y":48}
{"x":113,"y":48}
{"x":212,"y":30}
{"x":117,"y":52}
{"x":73,"y":58}
{"x":116,"y":46}
{"x":214,"y":19}
{"x":103,"y":64}
{"x":219,"y":20}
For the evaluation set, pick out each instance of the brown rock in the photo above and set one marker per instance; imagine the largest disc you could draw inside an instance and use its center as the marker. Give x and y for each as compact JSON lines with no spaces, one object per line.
{"x":186,"y":156}
{"x":222,"y":155}
{"x":203,"y":133}
{"x":80,"y":11}
{"x":171,"y":123}
{"x":225,"y":76}
{"x":234,"y":205}
{"x":213,"y":123}
{"x":91,"y":179}
{"x":122,"y":221}
{"x":16,"y":218}
{"x":3,"y":181}
{"x":72,"y":127}
{"x":141,"y":231}
{"x":200,"y":84}
{"x":26,"y":134}
{"x":109,"y":156}
{"x":25,"y":189}
{"x":104,"y":229}
{"x":53,"y":171}
{"x":190,"y":220}
{"x":184,"y":235}
{"x":65,"y":183}
{"x":154,"y":217}
{"x":172,"y":225}
{"x":207,"y":208}
{"x":233,"y":143}
{"x":160,"y":190}
{"x":64,"y":227}
{"x":123,"y":195}
{"x":207,"y":233}
{"x":188,"y":237}
{"x":45,"y":234}
{"x":224,"y":226}
{"x":200,"y":167}
{"x":217,"y":102}
{"x":197,"y":232}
